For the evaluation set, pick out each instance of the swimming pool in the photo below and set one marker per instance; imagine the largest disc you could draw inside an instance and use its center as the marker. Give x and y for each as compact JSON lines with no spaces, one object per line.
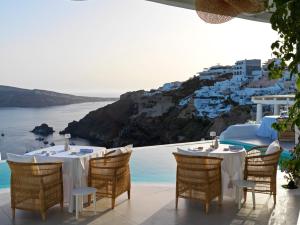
{"x":4,"y":175}
{"x":152,"y":164}
{"x":284,"y":155}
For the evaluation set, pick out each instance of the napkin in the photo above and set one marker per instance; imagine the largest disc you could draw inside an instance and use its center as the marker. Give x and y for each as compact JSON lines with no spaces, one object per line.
{"x":41,"y":153}
{"x":86,"y":150}
{"x":235,"y":147}
{"x":56,"y":152}
{"x":195,"y":149}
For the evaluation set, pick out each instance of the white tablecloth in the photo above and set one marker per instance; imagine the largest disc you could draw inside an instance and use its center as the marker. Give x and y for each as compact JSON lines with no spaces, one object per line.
{"x":265,"y":129}
{"x":232,"y":165}
{"x":75,"y":167}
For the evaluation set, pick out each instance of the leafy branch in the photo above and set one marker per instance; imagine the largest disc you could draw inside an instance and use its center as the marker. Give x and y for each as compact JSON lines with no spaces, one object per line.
{"x":286,"y":21}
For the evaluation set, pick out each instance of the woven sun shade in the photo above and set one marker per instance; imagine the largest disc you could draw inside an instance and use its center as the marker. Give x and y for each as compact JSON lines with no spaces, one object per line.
{"x":221,"y":11}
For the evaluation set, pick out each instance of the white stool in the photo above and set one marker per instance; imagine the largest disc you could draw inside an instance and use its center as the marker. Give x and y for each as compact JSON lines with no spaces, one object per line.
{"x":239,"y":185}
{"x":79,"y":193}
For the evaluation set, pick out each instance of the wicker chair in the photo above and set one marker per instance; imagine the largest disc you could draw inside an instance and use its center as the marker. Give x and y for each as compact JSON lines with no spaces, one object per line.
{"x":262,"y":169}
{"x":36,"y":186}
{"x":110,"y":175}
{"x":198,"y":178}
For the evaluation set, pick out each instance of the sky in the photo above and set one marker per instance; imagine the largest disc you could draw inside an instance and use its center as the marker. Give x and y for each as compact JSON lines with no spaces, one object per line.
{"x":108,"y":47}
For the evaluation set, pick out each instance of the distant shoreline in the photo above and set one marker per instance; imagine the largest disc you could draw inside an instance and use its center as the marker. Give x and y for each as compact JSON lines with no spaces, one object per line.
{"x":53,"y":106}
{"x":12,"y":97}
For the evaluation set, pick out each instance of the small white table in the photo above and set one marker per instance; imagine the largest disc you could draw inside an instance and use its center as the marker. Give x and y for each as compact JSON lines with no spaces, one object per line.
{"x":79,"y":193}
{"x":240,"y":184}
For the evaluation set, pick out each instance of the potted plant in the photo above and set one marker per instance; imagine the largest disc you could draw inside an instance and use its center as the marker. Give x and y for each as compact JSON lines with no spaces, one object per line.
{"x":292,"y":169}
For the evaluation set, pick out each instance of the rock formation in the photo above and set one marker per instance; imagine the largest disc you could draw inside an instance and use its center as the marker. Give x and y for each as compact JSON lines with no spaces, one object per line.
{"x":43,"y":130}
{"x":150,"y":118}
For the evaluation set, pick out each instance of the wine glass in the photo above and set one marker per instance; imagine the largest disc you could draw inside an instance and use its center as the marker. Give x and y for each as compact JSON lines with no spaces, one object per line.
{"x":212,"y":134}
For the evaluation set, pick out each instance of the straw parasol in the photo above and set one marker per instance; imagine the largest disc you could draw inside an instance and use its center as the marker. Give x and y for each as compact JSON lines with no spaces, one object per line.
{"x":221,"y":11}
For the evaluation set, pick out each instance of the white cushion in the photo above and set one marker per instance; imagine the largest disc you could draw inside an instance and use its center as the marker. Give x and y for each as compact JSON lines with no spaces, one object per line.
{"x":20,"y":158}
{"x":273,"y":147}
{"x":116,"y":152}
{"x":192,"y":153}
{"x":122,"y":150}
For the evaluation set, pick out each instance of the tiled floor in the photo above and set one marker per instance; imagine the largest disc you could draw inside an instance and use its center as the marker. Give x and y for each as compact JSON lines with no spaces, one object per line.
{"x":154,"y":204}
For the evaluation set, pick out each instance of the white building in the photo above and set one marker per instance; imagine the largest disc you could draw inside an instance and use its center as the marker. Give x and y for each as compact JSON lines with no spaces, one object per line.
{"x":246,"y":68}
{"x":170,"y":86}
{"x":214,"y":71}
{"x":248,"y":79}
{"x":275,"y":100}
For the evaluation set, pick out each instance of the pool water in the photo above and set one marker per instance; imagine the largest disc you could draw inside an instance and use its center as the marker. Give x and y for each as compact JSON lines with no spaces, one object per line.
{"x":154,"y":164}
{"x":4,"y":175}
{"x":245,"y":145}
{"x":284,"y":155}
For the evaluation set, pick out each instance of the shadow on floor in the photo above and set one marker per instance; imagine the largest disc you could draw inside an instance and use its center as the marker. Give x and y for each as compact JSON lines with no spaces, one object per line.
{"x":191,"y":212}
{"x":126,"y":212}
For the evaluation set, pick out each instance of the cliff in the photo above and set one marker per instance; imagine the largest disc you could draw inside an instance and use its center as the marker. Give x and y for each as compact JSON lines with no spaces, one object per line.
{"x":146,"y":118}
{"x":18,"y":97}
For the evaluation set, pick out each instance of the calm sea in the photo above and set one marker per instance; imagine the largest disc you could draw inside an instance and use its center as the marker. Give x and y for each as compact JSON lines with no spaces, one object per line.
{"x":16,"y":124}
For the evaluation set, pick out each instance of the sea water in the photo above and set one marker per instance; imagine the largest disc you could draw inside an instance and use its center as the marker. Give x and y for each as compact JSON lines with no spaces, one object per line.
{"x":153,"y":164}
{"x":16,"y":124}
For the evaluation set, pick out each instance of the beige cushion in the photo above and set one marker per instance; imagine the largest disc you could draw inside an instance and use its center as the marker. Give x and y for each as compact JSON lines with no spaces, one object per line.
{"x":273,"y":147}
{"x":20,"y":158}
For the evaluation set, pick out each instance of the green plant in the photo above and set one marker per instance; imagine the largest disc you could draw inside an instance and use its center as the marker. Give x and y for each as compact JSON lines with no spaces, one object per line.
{"x":292,"y":168}
{"x":286,"y":21}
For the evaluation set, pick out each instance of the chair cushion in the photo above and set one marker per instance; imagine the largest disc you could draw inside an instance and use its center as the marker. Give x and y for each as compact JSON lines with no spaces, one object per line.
{"x":273,"y":147}
{"x":122,"y":150}
{"x":20,"y":158}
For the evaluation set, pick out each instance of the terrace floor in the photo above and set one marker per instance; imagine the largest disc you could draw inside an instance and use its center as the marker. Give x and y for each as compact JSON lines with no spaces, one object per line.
{"x":154,"y":204}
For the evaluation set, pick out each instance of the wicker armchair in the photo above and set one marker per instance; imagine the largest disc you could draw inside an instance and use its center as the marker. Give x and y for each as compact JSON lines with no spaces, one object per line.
{"x":110,"y":175}
{"x":198,"y":178}
{"x":262,"y":169}
{"x":36,"y":186}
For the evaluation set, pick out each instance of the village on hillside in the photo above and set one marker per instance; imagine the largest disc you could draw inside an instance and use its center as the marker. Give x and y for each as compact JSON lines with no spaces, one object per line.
{"x":232,"y":85}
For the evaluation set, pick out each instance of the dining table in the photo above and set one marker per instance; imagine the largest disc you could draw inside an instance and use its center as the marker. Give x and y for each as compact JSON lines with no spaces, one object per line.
{"x":75,"y":165}
{"x":232,"y":166}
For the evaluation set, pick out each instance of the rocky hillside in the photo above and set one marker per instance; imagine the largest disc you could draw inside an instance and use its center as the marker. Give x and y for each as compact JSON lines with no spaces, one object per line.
{"x":146,"y":118}
{"x":18,"y":97}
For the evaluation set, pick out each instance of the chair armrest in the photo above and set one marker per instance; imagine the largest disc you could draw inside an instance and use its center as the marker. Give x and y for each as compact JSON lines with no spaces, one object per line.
{"x":259,"y":147}
{"x":257,"y":150}
{"x":253,"y":153}
{"x":109,"y":153}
